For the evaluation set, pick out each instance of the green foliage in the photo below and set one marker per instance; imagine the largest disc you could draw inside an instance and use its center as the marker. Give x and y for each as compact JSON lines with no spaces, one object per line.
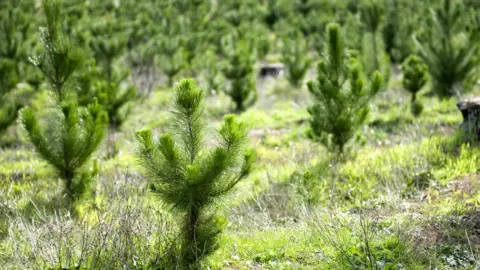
{"x":14,"y":28}
{"x":190,"y":179}
{"x":68,"y":137}
{"x":211,"y":71}
{"x":340,"y":96}
{"x":60,"y":58}
{"x":108,"y":43}
{"x":239,"y":71}
{"x":113,"y":89}
{"x":364,"y":243}
{"x":415,"y":76}
{"x":114,"y":99}
{"x":172,"y":58}
{"x":295,"y":58}
{"x":371,"y":15}
{"x":67,"y":141}
{"x":8,"y":79}
{"x":398,"y":29}
{"x":171,"y":55}
{"x":450,"y":52}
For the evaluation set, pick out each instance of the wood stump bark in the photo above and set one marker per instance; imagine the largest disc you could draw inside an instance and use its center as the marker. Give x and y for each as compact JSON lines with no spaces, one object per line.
{"x":470,"y":110}
{"x":273,"y":70}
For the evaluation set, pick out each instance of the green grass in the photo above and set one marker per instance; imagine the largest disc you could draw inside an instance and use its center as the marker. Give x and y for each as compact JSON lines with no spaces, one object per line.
{"x":300,"y":209}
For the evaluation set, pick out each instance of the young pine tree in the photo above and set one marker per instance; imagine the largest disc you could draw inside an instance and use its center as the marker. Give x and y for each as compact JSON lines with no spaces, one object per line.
{"x":239,"y":71}
{"x":211,"y":72}
{"x":415,"y":76}
{"x":296,"y":59}
{"x":188,"y":177}
{"x":340,"y":95}
{"x":16,"y":19}
{"x":67,"y":138}
{"x":371,"y":15}
{"x":8,"y":107}
{"x":113,"y":90}
{"x":172,"y":56}
{"x":450,"y":52}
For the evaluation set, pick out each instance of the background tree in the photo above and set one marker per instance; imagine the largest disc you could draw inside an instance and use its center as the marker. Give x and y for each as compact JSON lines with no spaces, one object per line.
{"x":371,"y":16}
{"x":415,"y":76}
{"x":8,"y":107}
{"x":113,"y":90}
{"x":340,"y":96}
{"x":211,"y":71}
{"x":69,"y":135}
{"x":450,"y":52}
{"x":16,"y":19}
{"x":172,"y":56}
{"x":189,"y":178}
{"x":15,"y":22}
{"x":239,"y":71}
{"x":397,"y":31}
{"x":296,"y":58}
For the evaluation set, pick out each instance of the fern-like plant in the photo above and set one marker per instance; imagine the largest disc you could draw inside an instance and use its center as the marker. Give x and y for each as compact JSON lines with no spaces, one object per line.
{"x":70,"y":134}
{"x":189,"y":178}
{"x":340,"y":95}
{"x":415,"y":76}
{"x":239,"y":71}
{"x":450,"y":52}
{"x":295,"y":58}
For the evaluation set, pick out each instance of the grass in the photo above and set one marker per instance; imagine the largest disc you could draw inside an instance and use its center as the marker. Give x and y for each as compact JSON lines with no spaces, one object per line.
{"x":405,"y":199}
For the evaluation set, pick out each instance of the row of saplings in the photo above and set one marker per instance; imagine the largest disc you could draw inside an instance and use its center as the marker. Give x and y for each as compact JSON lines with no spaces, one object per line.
{"x":187,"y":177}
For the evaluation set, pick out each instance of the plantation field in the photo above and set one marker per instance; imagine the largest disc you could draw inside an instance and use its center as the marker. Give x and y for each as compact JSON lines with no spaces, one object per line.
{"x":353,"y":157}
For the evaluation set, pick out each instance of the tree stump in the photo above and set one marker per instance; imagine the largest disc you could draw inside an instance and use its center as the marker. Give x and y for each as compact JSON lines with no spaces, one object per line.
{"x":470,"y":110}
{"x":273,"y":70}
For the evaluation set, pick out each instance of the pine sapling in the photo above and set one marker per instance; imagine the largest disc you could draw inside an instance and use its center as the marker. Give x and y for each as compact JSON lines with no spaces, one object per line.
{"x":68,"y":137}
{"x":296,"y":59}
{"x":191,"y":179}
{"x":113,"y":90}
{"x":415,"y":76}
{"x":172,"y":56}
{"x":211,"y":72}
{"x":340,"y":96}
{"x":371,"y":16}
{"x":8,"y":107}
{"x":373,"y":57}
{"x":450,"y":52}
{"x":239,"y":71}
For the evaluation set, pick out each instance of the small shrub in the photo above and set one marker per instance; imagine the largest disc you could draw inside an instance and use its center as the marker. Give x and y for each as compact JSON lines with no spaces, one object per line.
{"x":172,"y":55}
{"x":295,"y":58}
{"x":371,"y":16}
{"x":415,"y":76}
{"x":112,"y":89}
{"x":340,"y":96}
{"x":449,"y":51}
{"x":239,"y":71}
{"x":69,"y":136}
{"x":8,"y":108}
{"x":190,"y":179}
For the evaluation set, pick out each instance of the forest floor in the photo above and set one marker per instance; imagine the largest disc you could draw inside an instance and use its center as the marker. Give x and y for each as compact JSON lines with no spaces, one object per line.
{"x":407,"y":198}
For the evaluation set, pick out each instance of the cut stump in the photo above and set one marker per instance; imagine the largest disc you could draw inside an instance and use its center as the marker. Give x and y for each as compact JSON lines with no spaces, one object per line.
{"x":470,"y":110}
{"x":273,"y":70}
